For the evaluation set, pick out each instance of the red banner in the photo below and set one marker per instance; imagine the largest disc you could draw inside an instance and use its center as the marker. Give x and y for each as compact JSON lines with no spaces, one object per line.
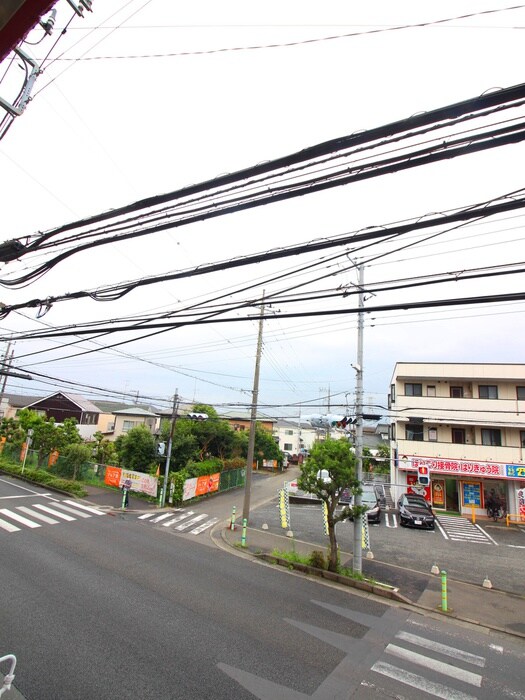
{"x":112,"y":476}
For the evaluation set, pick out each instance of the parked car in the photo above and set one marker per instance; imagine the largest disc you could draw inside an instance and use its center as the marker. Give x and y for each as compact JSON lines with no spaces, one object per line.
{"x":373,"y":507}
{"x":415,"y":511}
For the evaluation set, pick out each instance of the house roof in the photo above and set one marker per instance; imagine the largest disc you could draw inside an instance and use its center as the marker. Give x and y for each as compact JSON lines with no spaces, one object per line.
{"x":136,"y":411}
{"x":113,"y":406}
{"x":86,"y":405}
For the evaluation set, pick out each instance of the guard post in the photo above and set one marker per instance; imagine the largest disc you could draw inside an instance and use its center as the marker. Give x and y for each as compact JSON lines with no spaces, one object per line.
{"x":444,"y":601}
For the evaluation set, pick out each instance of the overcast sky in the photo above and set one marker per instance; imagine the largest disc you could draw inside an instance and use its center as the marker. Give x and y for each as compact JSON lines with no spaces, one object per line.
{"x":166,"y":94}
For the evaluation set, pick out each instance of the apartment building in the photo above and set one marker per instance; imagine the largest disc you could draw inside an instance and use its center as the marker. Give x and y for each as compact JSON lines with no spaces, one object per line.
{"x":463,"y":426}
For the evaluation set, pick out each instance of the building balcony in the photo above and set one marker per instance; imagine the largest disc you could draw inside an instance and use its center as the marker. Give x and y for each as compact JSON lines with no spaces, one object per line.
{"x":434,"y":409}
{"x":463,"y":452}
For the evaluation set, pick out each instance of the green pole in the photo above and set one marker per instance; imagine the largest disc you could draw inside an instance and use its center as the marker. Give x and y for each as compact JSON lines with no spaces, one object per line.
{"x":243,"y":536}
{"x":444,"y":605}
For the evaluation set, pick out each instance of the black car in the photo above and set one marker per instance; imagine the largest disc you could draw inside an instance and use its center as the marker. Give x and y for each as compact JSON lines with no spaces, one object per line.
{"x":415,"y":511}
{"x":373,"y":507}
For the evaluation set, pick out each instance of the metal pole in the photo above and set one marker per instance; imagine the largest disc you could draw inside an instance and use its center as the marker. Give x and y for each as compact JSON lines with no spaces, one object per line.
{"x":358,"y":520}
{"x":253,"y":420}
{"x":168,"y":456}
{"x":444,"y":598}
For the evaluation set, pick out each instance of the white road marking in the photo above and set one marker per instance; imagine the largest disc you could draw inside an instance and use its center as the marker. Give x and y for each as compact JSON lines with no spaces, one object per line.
{"x":178,"y":518}
{"x":204,"y":526}
{"x":189,"y":523}
{"x":19,"y":518}
{"x":52,"y":511}
{"x":146,"y":515}
{"x":38,"y":516}
{"x":73,"y":510}
{"x":8,"y":526}
{"x":420,"y":683}
{"x":453,"y":652}
{"x":89,"y":509}
{"x":161,"y":517}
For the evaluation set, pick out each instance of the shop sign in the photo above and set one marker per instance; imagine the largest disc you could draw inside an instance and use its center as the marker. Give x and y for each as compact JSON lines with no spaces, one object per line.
{"x":438,"y":492}
{"x":453,"y":466}
{"x":472,"y":493}
{"x":514,"y":471}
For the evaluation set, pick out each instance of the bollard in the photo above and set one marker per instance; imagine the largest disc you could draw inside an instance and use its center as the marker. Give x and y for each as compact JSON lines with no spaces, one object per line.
{"x":124,"y":494}
{"x":444,"y":605}
{"x":243,"y":536}
{"x":232,"y":521}
{"x":473,"y":513}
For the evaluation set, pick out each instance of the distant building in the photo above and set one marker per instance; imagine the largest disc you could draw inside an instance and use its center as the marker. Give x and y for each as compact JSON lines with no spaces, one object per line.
{"x":463,"y":425}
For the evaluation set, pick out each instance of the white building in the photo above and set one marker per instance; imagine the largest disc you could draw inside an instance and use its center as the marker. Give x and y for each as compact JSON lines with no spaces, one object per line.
{"x":466,"y":424}
{"x":294,"y":437}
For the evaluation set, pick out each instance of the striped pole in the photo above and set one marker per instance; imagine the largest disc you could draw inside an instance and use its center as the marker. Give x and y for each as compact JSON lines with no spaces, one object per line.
{"x":444,"y":602}
{"x":232,"y":521}
{"x":243,"y":536}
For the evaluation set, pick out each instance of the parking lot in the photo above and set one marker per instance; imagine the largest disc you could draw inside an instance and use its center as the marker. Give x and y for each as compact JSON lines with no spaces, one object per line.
{"x":467,"y":552}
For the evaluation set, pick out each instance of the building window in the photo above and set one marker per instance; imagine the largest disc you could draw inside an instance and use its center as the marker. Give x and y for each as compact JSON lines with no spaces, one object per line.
{"x":458,"y":436}
{"x":488,"y":391}
{"x":456,"y":392}
{"x":522,"y":438}
{"x":288,"y":432}
{"x":520,"y":393}
{"x":413,"y":390}
{"x":491,"y":436}
{"x":128,"y":424}
{"x":414,"y":431}
{"x":431,"y":390}
{"x":288,"y":447}
{"x":433,"y":434}
{"x":393,"y":393}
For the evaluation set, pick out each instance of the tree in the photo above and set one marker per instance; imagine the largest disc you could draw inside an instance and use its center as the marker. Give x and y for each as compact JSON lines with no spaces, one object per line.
{"x":103,"y":449}
{"x":136,"y":449}
{"x":337,"y":458}
{"x":265,"y":445}
{"x":77,"y":456}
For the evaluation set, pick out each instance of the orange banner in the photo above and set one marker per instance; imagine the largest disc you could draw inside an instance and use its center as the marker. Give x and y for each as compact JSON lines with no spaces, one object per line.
{"x":207,"y":484}
{"x":112,"y":476}
{"x":52,"y":458}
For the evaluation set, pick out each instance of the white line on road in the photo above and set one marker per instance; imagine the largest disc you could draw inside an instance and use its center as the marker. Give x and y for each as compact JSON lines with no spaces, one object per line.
{"x":204,"y":526}
{"x":8,"y":526}
{"x":19,"y":518}
{"x":83,"y":507}
{"x":420,"y":683}
{"x":54,"y":512}
{"x":427,"y":662}
{"x":38,"y":516}
{"x":193,"y":521}
{"x":72,"y":510}
{"x":454,"y":653}
{"x":486,"y":534}
{"x":178,"y":518}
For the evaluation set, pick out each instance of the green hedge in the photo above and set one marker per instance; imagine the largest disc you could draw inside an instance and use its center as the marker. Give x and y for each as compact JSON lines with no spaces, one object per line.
{"x":42,"y":476}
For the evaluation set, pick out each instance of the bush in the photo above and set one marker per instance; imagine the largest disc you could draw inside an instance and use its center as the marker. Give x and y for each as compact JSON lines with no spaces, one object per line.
{"x":41,"y":476}
{"x":317,"y":559}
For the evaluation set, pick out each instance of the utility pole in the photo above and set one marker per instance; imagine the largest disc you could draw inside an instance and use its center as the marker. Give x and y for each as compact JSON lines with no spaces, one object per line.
{"x":253,"y":420}
{"x":170,"y":441}
{"x":6,"y":366}
{"x":358,"y":520}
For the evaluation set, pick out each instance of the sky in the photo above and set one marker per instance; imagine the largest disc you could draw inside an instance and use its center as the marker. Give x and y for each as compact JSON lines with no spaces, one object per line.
{"x":162,"y":95}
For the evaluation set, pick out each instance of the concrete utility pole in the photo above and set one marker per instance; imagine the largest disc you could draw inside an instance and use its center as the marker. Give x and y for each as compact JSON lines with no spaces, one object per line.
{"x":253,"y":420}
{"x":358,"y":521}
{"x":168,"y":455}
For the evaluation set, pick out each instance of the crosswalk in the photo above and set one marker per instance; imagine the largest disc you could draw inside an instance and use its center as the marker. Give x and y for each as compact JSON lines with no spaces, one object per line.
{"x":460,"y":529}
{"x":38,"y":514}
{"x":181,"y":520}
{"x":410,"y":654}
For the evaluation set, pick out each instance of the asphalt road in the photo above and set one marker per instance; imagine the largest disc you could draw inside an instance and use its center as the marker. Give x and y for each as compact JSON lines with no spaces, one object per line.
{"x":107,"y":606}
